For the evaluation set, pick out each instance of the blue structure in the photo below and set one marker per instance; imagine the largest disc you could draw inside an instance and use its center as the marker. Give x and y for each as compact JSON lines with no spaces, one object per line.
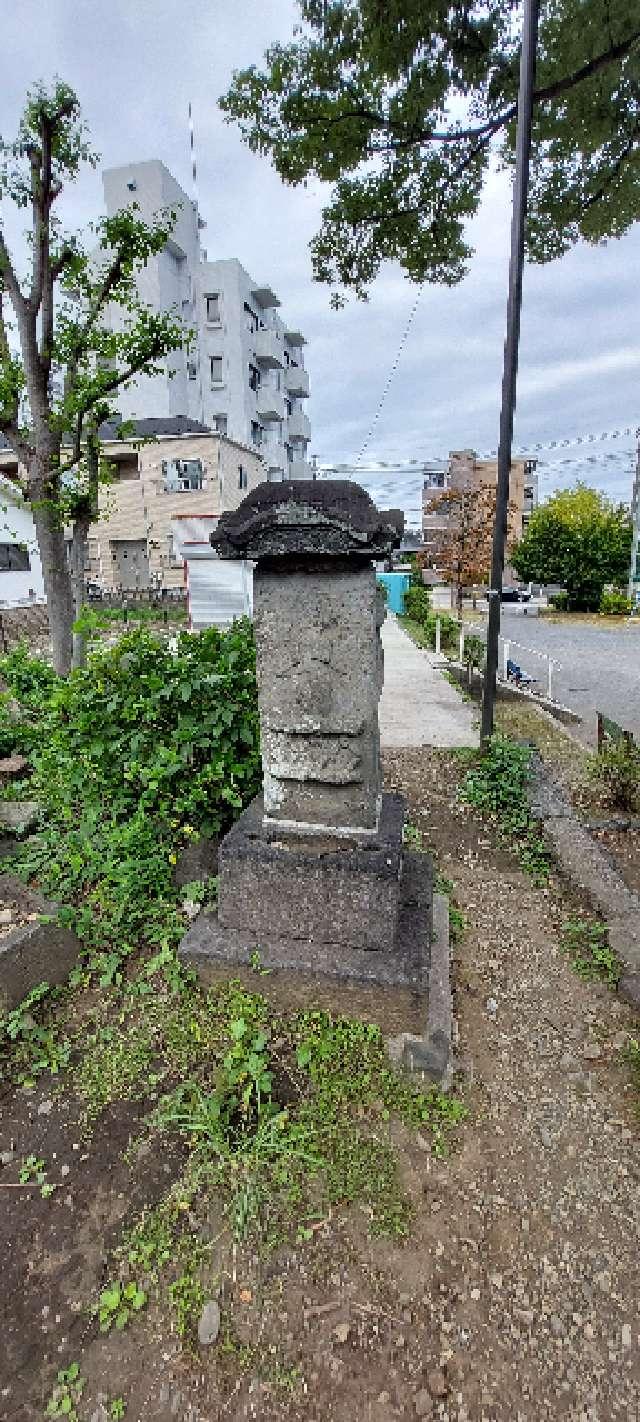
{"x":396,"y":585}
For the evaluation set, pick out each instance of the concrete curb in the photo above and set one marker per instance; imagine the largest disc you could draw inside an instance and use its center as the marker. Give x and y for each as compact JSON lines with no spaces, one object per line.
{"x":590,"y":868}
{"x":430,"y":1057}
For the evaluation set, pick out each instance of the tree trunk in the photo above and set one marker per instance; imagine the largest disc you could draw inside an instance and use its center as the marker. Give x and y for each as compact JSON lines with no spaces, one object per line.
{"x":79,"y":546}
{"x":55,"y":571}
{"x":80,"y":537}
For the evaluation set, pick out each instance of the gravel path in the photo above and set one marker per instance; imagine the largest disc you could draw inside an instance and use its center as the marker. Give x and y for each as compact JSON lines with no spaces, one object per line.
{"x":541,"y":1265}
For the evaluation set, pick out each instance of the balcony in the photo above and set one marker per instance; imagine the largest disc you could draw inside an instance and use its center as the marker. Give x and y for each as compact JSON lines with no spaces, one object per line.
{"x":298,"y":469}
{"x":296,"y":381}
{"x":269,"y":350}
{"x":269,"y":403}
{"x":294,"y":338}
{"x":298,"y":425}
{"x":265,"y":297}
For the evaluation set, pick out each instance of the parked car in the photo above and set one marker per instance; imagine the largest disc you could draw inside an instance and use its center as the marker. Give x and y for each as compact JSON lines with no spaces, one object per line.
{"x":515,"y":595}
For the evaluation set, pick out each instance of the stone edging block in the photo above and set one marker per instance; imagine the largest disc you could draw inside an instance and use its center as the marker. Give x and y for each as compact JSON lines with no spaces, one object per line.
{"x":34,"y":952}
{"x":430,"y":1056}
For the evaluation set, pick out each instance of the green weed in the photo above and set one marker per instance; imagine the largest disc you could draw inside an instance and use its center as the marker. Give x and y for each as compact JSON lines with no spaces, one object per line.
{"x":497,"y":785}
{"x":118,"y":1304}
{"x":66,"y":1393}
{"x":585,"y":943}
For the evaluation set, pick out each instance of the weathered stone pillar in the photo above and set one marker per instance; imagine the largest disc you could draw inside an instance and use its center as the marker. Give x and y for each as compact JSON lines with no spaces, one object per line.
{"x":313,"y":873}
{"x":317,"y":616}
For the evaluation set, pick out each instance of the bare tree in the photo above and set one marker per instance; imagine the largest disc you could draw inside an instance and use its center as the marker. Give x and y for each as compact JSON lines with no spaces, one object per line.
{"x":61,"y":363}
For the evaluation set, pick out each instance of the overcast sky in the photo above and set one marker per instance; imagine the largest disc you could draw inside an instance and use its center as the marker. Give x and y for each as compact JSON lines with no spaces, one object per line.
{"x":136,"y":64}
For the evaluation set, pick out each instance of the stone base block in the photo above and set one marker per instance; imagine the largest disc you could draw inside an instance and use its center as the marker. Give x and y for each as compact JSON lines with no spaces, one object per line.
{"x":273,"y":886}
{"x":401,"y":963}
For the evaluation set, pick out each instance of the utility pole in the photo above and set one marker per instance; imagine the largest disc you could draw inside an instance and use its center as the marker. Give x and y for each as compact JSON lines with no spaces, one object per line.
{"x":634,"y":569}
{"x":510,"y":368}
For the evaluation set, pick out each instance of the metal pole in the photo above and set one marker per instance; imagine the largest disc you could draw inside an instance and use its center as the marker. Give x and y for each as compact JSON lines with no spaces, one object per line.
{"x":510,"y":368}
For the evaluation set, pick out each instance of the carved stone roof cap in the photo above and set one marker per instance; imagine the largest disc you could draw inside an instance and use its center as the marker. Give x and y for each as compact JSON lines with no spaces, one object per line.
{"x":300,"y":518}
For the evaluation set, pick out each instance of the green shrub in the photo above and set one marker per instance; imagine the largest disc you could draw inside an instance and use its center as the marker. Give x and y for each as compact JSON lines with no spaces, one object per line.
{"x":617,"y":770}
{"x":475,"y":652}
{"x":559,"y":601}
{"x":449,"y":630}
{"x":616,"y":604}
{"x":137,"y":752}
{"x":417,"y":603}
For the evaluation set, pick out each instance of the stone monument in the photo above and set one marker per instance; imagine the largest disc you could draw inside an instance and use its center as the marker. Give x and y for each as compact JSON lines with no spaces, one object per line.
{"x":314,"y":876}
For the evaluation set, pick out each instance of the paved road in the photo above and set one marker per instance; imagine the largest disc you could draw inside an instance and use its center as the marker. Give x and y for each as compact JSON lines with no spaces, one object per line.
{"x":598,"y":667}
{"x":418,"y":706}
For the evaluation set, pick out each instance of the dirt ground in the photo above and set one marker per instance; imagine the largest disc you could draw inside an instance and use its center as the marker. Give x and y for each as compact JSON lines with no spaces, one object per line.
{"x":515,"y":1297}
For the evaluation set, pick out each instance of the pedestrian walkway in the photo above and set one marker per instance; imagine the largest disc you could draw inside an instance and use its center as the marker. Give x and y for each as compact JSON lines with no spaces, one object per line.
{"x":418,"y":706}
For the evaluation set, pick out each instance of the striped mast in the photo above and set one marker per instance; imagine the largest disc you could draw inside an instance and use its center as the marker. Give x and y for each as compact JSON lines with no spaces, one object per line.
{"x":194,"y":187}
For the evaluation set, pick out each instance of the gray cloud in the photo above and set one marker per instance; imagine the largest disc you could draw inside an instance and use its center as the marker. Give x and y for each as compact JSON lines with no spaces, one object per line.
{"x":137,"y":65}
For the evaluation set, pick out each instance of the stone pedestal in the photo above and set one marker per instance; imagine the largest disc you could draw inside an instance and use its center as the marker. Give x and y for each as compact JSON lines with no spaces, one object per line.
{"x":313,"y":876}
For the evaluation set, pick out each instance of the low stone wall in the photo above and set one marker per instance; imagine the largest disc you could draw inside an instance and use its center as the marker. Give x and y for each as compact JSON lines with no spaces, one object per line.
{"x":25,"y":624}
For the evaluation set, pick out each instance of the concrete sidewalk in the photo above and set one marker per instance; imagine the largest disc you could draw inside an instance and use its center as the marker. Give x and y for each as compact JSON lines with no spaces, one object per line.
{"x":418,"y":706}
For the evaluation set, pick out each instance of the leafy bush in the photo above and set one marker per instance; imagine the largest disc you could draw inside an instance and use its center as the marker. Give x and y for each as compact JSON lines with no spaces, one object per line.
{"x":616,"y":604}
{"x":137,"y":752}
{"x":449,"y":630}
{"x":417,"y":603}
{"x":475,"y":651}
{"x":617,"y":770}
{"x":559,"y":601}
{"x":498,"y":786}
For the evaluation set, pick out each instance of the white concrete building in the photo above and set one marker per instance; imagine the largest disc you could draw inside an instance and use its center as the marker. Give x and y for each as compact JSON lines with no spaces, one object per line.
{"x":244,"y":374}
{"x":21,"y":578}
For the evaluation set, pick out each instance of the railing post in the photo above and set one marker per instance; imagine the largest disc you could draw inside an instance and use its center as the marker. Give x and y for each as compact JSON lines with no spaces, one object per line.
{"x":461,"y":645}
{"x":506,"y":652}
{"x":550,"y":680}
{"x":437,"y":636}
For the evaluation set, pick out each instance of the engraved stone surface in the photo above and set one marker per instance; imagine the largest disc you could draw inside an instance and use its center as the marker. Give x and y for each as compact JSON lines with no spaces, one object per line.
{"x":306,"y":517}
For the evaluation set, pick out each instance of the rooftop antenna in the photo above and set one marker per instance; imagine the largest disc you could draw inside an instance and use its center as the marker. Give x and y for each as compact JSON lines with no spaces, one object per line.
{"x":194,"y":175}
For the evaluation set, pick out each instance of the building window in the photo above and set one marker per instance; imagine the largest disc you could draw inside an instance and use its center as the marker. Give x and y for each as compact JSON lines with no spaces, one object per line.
{"x":215,"y":363}
{"x":256,"y":433}
{"x":254,"y":376}
{"x":289,"y":404}
{"x":219,"y":423}
{"x":14,"y":558}
{"x":181,"y":476}
{"x":212,"y":305}
{"x":243,"y":478}
{"x":192,"y":370}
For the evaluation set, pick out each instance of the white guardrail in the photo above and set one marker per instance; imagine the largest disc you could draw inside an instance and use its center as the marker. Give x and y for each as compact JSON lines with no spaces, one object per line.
{"x":506,"y":643}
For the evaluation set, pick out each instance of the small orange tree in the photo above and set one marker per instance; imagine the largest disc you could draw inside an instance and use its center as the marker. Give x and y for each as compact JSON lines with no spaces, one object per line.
{"x":463,"y":555}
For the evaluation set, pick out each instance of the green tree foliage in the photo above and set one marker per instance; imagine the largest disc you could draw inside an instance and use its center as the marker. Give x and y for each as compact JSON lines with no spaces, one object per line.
{"x":403,"y":106}
{"x":580,"y":539}
{"x":61,"y":364}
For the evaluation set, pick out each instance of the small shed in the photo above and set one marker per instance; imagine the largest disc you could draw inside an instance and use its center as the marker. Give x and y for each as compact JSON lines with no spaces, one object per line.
{"x":218,"y":589}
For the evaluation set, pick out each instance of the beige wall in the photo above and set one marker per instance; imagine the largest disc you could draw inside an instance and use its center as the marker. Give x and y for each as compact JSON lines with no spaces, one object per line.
{"x":139,"y":508}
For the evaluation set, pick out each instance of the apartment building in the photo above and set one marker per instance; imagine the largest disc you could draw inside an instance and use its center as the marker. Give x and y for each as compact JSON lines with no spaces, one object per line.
{"x":244,"y":374}
{"x":170,"y":472}
{"x":465,"y":471}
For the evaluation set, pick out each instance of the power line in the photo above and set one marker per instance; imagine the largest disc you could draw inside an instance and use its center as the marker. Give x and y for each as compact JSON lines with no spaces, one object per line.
{"x":394,"y":367}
